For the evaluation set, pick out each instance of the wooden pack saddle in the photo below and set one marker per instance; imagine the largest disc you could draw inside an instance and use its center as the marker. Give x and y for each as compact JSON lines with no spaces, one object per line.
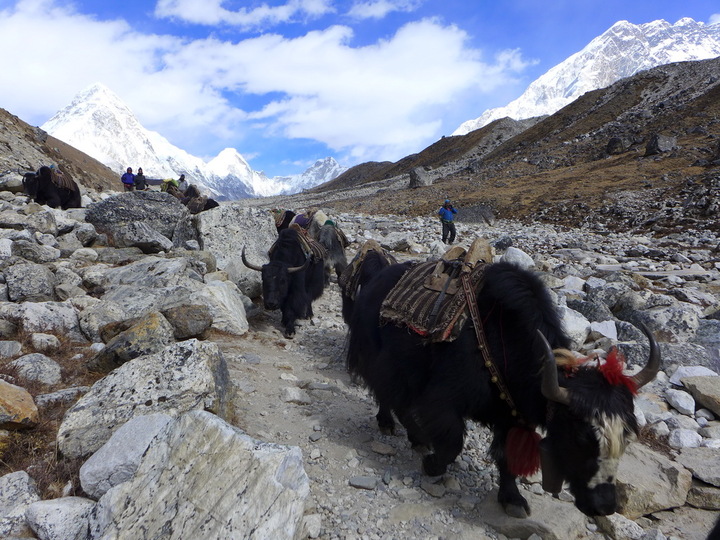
{"x":429,"y":298}
{"x":349,"y":280}
{"x":308,"y":245}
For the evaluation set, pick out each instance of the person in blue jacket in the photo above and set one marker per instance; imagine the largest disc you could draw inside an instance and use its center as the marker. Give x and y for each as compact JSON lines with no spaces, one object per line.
{"x":447,"y":215}
{"x":128,"y":180}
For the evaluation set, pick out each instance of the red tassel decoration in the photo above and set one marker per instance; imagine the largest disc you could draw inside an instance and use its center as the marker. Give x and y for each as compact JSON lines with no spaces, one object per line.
{"x":522,"y":451}
{"x":612,"y":370}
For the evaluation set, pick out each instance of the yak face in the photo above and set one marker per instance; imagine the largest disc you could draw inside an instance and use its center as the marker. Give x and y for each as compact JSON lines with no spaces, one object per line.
{"x":276,"y":284}
{"x":585,"y":450}
{"x":30,"y":184}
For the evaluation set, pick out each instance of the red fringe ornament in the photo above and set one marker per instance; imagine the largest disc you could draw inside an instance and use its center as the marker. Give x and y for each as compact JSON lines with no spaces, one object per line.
{"x":612,"y":370}
{"x":522,"y":451}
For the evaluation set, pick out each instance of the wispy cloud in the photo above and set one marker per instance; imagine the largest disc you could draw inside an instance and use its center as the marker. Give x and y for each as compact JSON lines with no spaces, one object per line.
{"x":377,"y":9}
{"x":378,"y":101}
{"x":714,"y":18}
{"x":212,"y":12}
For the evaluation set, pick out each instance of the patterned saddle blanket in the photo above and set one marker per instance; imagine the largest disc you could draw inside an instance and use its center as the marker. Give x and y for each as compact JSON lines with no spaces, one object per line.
{"x":349,"y":280}
{"x":429,"y":298}
{"x":308,"y":245}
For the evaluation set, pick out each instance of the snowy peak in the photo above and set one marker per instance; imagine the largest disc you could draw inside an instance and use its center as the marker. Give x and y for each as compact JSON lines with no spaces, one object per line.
{"x":101,"y":125}
{"x":623,"y":50}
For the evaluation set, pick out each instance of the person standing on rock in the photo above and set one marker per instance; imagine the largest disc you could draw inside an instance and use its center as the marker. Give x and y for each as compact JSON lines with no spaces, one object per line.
{"x":447,"y":215}
{"x":140,"y":181}
{"x":128,"y":180}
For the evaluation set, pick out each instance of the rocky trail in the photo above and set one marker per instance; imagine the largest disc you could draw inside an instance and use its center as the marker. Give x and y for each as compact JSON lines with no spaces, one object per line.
{"x":364,"y":485}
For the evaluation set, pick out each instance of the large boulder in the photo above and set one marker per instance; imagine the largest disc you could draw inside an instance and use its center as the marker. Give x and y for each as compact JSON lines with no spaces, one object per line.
{"x":185,"y":376}
{"x":648,"y":482}
{"x":229,"y":228}
{"x":203,"y":478}
{"x":160,"y":211}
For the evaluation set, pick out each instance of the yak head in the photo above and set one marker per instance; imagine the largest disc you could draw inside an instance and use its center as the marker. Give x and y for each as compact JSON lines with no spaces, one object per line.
{"x":276,"y":279}
{"x":30,"y":184}
{"x":590,"y":422}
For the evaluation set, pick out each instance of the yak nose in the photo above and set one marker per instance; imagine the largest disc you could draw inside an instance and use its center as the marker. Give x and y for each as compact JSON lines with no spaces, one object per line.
{"x":603,"y":500}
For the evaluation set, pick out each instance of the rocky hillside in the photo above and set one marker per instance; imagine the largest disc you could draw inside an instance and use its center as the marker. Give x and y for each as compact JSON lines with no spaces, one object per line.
{"x":25,"y":148}
{"x":628,"y":155}
{"x":144,"y":389}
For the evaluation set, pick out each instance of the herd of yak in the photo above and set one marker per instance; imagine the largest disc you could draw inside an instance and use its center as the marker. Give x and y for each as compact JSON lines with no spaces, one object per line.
{"x":442,"y":341}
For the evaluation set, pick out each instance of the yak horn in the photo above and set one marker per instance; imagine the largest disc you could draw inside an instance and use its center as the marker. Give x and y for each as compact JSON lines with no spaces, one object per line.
{"x":647,"y":374}
{"x":246,"y":263}
{"x":551,"y":388}
{"x":294,"y":269}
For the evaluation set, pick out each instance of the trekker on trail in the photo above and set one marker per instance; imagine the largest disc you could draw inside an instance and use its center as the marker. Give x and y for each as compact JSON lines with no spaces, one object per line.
{"x":128,"y":180}
{"x":447,"y":215}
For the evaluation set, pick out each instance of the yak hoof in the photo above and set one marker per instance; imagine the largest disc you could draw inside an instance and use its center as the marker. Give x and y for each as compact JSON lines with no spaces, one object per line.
{"x":516,"y":511}
{"x":432,"y":467}
{"x":289,"y":334}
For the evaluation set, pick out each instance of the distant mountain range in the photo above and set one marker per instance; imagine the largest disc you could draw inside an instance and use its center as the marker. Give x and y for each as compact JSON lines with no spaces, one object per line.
{"x":98,"y":123}
{"x":622,"y":51}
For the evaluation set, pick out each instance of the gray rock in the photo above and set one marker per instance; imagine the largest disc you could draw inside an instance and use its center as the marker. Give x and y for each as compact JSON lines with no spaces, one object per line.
{"x":705,"y":390}
{"x":680,"y":401}
{"x":690,"y":371}
{"x":704,"y":463}
{"x":684,"y":438}
{"x":118,"y":459}
{"x":150,"y":334}
{"x":229,"y":228}
{"x":648,"y":482}
{"x":38,"y":368}
{"x":65,"y":518}
{"x":17,"y":492}
{"x":142,"y":236}
{"x":160,"y":211}
{"x":204,"y":478}
{"x":185,"y":376}
{"x":29,"y":282}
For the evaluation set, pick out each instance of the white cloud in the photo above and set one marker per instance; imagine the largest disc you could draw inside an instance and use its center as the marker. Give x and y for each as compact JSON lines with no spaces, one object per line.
{"x":211,"y":12}
{"x":715,"y":18}
{"x":377,"y":9}
{"x":379,"y":101}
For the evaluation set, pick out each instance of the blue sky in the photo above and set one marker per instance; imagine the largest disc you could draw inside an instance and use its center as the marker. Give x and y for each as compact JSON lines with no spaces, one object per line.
{"x":287,"y":82}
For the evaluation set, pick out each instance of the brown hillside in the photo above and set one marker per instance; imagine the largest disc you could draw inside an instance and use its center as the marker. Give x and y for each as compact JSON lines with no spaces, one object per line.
{"x":560,"y":169}
{"x":25,"y":148}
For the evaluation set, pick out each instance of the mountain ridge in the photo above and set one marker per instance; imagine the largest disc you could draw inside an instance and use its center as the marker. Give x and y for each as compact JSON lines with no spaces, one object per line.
{"x":621,"y":51}
{"x":100,"y":124}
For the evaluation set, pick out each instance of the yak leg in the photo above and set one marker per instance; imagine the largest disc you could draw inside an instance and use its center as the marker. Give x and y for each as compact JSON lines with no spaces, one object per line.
{"x":509,"y":496}
{"x":288,"y":322}
{"x":385,"y":421}
{"x":446,"y":434}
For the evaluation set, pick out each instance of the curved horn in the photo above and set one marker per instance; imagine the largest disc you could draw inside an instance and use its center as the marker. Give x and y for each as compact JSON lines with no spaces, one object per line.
{"x":246,"y":263}
{"x":647,"y":374}
{"x":551,"y":388}
{"x":294,"y":269}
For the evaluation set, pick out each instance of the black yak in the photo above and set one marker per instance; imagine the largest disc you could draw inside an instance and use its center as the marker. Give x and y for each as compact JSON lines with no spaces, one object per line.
{"x":433,"y":387}
{"x":367,"y":263}
{"x":52,"y":188}
{"x":291,"y":280}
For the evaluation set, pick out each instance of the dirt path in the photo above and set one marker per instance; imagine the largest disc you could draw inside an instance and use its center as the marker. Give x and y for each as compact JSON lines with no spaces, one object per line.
{"x":364,"y":485}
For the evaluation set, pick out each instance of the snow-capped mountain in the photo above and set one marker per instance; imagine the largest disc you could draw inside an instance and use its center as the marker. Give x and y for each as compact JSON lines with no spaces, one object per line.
{"x":101,"y":125}
{"x":623,"y":50}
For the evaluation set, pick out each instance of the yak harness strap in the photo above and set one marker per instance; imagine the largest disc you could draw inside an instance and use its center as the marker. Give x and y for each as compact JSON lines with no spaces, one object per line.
{"x":522,"y":445}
